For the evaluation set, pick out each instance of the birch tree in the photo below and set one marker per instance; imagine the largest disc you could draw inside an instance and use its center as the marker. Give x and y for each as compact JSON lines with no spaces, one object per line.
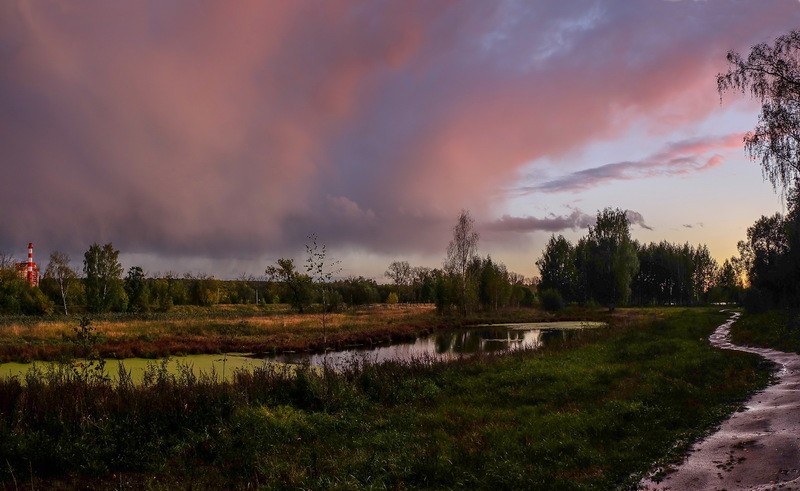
{"x":461,"y":251}
{"x":60,"y":270}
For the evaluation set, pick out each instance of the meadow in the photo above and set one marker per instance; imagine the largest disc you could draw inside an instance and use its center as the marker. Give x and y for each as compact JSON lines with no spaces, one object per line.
{"x":596,"y":411}
{"x":241,"y":329}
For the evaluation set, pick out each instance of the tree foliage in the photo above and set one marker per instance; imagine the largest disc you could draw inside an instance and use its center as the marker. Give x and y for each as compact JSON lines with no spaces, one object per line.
{"x":674,"y":274}
{"x":608,"y":267}
{"x":137,"y":289}
{"x":104,"y":289}
{"x":297,"y":287}
{"x":60,"y":271}
{"x":358,"y":291}
{"x":461,"y":251}
{"x":557,"y":268}
{"x":771,"y":74}
{"x":770,"y":257}
{"x":18,"y":297}
{"x":612,"y":262}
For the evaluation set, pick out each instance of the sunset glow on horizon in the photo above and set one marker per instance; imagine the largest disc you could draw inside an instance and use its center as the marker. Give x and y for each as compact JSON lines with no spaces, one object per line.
{"x":216,"y":136}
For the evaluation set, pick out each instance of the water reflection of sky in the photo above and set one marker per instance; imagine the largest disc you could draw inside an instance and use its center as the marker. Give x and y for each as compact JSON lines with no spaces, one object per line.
{"x":439,"y":346}
{"x":442,"y":345}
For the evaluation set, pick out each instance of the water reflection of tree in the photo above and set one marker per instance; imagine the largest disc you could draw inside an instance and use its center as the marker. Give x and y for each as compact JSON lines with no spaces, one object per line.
{"x":444,"y":342}
{"x":555,"y":336}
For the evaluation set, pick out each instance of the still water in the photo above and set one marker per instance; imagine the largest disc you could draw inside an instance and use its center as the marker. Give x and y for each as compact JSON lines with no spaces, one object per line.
{"x":449,"y":344}
{"x":442,"y":345}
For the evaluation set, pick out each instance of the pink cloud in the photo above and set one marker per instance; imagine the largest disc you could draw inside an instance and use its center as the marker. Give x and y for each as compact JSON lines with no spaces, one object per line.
{"x":680,"y":158}
{"x":223,"y":130}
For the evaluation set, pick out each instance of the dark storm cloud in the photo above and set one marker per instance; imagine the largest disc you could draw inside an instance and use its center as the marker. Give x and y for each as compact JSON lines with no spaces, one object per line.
{"x":223,"y":130}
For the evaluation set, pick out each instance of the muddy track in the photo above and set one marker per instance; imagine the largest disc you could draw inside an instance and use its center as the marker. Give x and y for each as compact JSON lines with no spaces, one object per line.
{"x":758,"y":447}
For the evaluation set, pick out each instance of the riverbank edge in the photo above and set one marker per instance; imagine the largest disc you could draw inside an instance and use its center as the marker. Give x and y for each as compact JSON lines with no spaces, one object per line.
{"x":290,"y":339}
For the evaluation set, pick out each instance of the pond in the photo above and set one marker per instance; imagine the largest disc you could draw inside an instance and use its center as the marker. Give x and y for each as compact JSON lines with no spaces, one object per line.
{"x":441,"y":345}
{"x":223,"y":365}
{"x":448,"y":344}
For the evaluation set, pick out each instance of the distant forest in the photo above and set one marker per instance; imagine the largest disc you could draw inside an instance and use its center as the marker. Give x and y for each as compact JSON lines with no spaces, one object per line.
{"x":606,"y":267}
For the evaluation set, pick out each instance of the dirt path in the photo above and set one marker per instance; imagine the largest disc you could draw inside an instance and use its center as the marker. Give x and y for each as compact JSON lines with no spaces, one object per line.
{"x":757,"y":448}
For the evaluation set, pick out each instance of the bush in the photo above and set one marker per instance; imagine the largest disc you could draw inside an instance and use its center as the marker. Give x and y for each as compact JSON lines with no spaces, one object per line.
{"x":551,"y":300}
{"x":756,"y":301}
{"x":392,"y":298}
{"x":335,"y":301}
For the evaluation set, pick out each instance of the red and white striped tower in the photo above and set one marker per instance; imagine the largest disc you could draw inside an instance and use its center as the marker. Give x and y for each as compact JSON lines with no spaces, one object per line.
{"x":31,"y":280}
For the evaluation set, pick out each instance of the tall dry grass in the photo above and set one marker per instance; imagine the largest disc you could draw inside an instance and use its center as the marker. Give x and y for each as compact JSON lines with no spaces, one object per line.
{"x":208,"y":322}
{"x":219,"y":329}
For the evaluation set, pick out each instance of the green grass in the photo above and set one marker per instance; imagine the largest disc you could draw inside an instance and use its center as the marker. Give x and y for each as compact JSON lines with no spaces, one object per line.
{"x":594,"y":412}
{"x":777,"y":329}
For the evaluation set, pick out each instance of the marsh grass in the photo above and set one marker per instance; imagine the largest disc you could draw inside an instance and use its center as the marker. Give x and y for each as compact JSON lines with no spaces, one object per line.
{"x":594,"y":411}
{"x":223,"y":328}
{"x":209,"y":330}
{"x":776,"y":329}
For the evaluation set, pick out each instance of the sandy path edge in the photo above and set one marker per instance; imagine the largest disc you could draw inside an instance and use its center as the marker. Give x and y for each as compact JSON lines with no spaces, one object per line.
{"x":757,"y":448}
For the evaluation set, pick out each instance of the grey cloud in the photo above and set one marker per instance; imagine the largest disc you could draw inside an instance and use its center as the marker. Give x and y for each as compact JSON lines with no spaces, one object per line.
{"x":576,"y":220}
{"x":553,"y":223}
{"x":636,"y":218}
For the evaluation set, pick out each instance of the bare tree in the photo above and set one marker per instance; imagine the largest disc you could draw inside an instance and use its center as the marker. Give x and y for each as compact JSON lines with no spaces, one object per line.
{"x":399,"y":272}
{"x":7,"y":261}
{"x":460,"y":253}
{"x":60,"y":270}
{"x":321,"y":269}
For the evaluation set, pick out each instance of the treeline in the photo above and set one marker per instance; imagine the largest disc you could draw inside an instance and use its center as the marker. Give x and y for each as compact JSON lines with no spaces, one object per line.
{"x":466,"y":282}
{"x":609,"y":268}
{"x":104,"y":288}
{"x":605,"y":267}
{"x":489,"y":286}
{"x":771,"y":258}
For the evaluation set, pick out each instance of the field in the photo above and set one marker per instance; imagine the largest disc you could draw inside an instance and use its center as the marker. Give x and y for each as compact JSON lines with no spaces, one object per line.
{"x":241,"y":329}
{"x":595,"y":412}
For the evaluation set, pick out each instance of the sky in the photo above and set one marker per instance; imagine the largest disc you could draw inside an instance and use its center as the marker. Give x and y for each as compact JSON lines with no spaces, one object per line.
{"x":215,"y":137}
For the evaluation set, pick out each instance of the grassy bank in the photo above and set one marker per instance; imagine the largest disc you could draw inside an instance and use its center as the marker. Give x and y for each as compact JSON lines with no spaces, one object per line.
{"x":243,"y":329}
{"x":777,"y":329}
{"x":591,"y":413}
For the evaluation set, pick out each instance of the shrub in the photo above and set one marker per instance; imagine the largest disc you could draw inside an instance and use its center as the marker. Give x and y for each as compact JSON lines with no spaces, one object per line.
{"x":551,"y":300}
{"x":755,"y":301}
{"x":392,"y":298}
